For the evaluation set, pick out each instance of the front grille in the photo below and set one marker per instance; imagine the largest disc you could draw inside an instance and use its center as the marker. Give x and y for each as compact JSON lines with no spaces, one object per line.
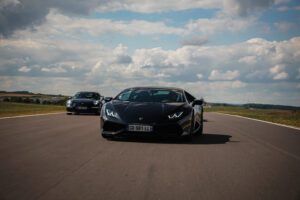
{"x":163,"y":130}
{"x":83,"y":103}
{"x":88,"y":104}
{"x":113,"y":127}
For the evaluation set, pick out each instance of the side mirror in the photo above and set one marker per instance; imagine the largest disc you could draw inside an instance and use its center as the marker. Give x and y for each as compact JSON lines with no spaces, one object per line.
{"x":107,"y":99}
{"x":198,"y":102}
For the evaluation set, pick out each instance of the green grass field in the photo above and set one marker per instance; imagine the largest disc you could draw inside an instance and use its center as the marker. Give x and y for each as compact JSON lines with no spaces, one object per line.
{"x":8,"y":109}
{"x":287,"y":117}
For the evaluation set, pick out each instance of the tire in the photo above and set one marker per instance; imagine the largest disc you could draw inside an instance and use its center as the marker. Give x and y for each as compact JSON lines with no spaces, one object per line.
{"x":190,"y":136}
{"x":200,"y":131}
{"x":69,"y":113}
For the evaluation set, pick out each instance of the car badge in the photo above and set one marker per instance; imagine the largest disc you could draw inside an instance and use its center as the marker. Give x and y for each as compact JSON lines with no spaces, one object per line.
{"x":140,"y":118}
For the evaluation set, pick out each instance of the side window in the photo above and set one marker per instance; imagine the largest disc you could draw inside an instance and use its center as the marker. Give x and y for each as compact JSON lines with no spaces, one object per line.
{"x":189,"y":97}
{"x":124,"y":96}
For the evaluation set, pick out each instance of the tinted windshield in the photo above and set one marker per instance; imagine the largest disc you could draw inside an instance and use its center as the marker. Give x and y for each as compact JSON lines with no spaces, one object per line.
{"x":151,"y":95}
{"x":86,"y":95}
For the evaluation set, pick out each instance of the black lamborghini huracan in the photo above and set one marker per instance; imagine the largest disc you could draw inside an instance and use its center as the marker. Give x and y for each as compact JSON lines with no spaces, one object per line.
{"x":152,"y":111}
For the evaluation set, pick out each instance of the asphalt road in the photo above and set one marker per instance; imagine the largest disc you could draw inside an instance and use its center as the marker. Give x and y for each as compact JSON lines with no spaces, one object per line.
{"x":64,"y":157}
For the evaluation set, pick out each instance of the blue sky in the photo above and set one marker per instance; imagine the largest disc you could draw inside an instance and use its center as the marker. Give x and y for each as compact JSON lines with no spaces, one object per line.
{"x":233,"y":51}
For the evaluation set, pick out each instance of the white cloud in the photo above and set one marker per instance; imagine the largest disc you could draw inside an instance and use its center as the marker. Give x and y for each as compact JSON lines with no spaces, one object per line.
{"x":158,"y":6}
{"x":193,"y":41}
{"x":72,"y":26}
{"x":54,"y":69}
{"x":220,"y":24}
{"x":53,"y":57}
{"x":24,"y":69}
{"x":97,"y":27}
{"x":228,"y":75}
{"x":249,"y":60}
{"x":200,"y":76}
{"x":162,"y":75}
{"x":155,"y":39}
{"x":57,"y":23}
{"x":278,"y":72}
{"x":284,"y":26}
{"x":285,"y":8}
{"x":120,"y":50}
{"x":277,"y":68}
{"x":280,"y":76}
{"x":221,"y":68}
{"x":4,"y":3}
{"x":245,"y":7}
{"x":238,"y":84}
{"x":239,"y":8}
{"x":77,"y":57}
{"x":32,"y":13}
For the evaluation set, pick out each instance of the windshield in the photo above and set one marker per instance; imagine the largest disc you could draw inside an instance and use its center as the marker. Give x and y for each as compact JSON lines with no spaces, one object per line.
{"x":86,"y":95}
{"x":151,"y":95}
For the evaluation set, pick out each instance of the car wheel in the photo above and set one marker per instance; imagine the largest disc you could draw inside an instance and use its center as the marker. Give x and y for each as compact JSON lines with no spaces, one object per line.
{"x":202,"y":123}
{"x":69,"y":113}
{"x":190,"y":136}
{"x":200,"y":131}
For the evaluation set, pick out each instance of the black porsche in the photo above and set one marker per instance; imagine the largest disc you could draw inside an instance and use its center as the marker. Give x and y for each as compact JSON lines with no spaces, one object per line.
{"x":152,"y":111}
{"x":84,"y":102}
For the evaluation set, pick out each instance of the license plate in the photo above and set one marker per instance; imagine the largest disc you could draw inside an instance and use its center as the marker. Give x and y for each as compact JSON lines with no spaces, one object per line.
{"x":139,"y":128}
{"x":81,"y":108}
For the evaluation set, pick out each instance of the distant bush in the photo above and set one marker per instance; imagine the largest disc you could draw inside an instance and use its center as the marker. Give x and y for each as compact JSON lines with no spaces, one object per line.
{"x":36,"y":100}
{"x":269,"y":106}
{"x":62,"y":101}
{"x":6,"y":99}
{"x":26,"y":100}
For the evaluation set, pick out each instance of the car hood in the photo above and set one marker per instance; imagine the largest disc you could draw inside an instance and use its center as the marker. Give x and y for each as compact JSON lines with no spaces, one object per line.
{"x":146,"y":112}
{"x":83,"y":100}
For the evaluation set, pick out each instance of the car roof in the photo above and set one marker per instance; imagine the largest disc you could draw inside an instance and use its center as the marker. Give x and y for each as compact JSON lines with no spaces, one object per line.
{"x":155,"y":87}
{"x":87,"y":92}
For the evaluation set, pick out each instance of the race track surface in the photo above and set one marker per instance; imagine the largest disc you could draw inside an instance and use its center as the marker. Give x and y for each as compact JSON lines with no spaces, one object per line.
{"x":64,"y":157}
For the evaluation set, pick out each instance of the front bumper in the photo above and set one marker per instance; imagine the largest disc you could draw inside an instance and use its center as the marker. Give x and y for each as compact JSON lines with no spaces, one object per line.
{"x":89,"y":109}
{"x":177,"y":129}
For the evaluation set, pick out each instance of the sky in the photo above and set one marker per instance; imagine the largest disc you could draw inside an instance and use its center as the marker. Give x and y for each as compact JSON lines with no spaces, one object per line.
{"x":231,"y":51}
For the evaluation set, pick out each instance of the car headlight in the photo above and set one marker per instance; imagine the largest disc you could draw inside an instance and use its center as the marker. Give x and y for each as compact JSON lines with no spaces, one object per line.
{"x":112,"y":113}
{"x":69,"y":102}
{"x":96,"y":102}
{"x":175,"y":115}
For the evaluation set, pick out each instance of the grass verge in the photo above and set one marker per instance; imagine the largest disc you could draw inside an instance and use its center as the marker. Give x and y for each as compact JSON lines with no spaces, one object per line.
{"x":9,"y":109}
{"x":286,"y":117}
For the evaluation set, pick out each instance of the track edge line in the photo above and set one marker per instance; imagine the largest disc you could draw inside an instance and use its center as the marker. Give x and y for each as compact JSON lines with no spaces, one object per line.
{"x":21,"y":116}
{"x":286,"y":126}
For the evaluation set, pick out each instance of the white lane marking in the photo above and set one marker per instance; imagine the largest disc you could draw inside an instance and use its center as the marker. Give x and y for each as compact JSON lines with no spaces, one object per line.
{"x":31,"y":115}
{"x":293,"y":127}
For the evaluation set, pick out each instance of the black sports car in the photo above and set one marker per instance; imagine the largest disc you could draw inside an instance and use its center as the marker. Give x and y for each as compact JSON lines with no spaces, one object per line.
{"x":84,"y":102}
{"x":152,"y":111}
